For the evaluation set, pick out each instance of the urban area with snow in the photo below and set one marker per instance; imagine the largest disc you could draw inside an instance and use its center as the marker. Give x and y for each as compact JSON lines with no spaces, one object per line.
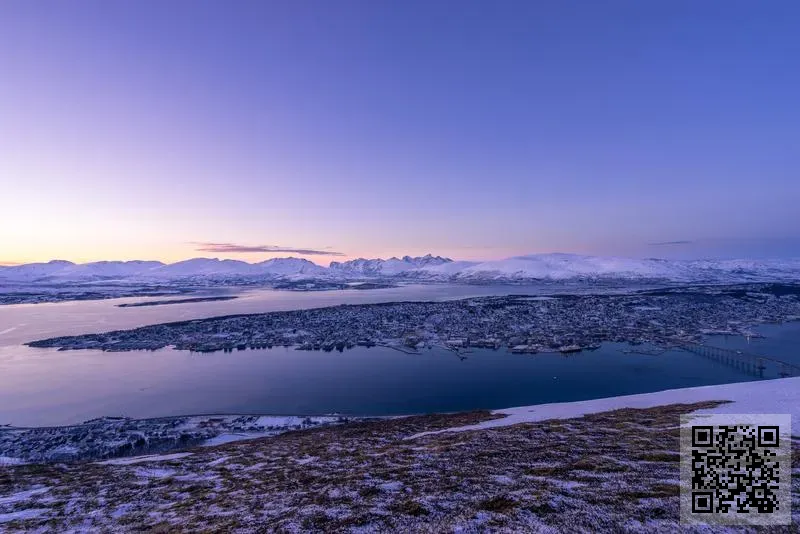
{"x":520,"y":323}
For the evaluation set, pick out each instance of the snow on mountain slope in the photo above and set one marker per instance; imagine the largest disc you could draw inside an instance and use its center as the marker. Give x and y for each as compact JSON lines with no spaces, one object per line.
{"x":290,"y":267}
{"x":390,"y":267}
{"x":749,"y":269}
{"x":444,"y":270}
{"x":60,"y":270}
{"x":216,"y":268}
{"x":113,"y":269}
{"x":34,"y":271}
{"x":569,"y":266}
{"x":205,"y":267}
{"x":553,"y":267}
{"x":573,"y":266}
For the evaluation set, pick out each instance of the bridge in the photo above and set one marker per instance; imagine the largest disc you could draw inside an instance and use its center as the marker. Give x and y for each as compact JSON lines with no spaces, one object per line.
{"x":746,"y":362}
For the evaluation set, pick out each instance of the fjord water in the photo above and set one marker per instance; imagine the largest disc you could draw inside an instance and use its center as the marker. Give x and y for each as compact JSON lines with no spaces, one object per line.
{"x":48,"y":387}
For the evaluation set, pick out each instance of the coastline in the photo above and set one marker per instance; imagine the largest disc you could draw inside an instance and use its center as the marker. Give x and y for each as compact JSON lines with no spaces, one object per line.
{"x":109,"y":437}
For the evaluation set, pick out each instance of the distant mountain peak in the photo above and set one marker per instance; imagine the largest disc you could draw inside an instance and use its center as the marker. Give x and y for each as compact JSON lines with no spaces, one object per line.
{"x":532,"y":267}
{"x":390,"y":267}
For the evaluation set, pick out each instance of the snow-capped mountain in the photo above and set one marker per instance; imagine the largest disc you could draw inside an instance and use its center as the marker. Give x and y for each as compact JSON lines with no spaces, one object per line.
{"x":578,"y":267}
{"x":106,"y":269}
{"x":213,"y":267}
{"x":570,"y":266}
{"x":61,"y":270}
{"x":391,"y":267}
{"x":205,"y":267}
{"x":291,"y":267}
{"x":35,"y":271}
{"x":549,"y":267}
{"x":441,"y":271}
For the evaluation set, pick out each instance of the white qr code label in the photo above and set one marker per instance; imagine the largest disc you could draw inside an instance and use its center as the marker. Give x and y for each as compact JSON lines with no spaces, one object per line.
{"x":736,"y":469}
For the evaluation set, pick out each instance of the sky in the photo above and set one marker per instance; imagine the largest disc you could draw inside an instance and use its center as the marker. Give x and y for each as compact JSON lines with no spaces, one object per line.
{"x":337,"y":129}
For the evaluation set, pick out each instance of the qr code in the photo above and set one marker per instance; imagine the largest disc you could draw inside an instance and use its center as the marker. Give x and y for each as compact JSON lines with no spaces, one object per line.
{"x":735,"y":469}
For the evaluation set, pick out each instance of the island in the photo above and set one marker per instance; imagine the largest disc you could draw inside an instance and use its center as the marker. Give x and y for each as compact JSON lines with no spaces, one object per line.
{"x":174,"y":301}
{"x":521,"y":323}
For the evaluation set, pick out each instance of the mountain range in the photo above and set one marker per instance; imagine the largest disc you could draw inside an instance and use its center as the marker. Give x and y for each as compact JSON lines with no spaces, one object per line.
{"x":533,"y":267}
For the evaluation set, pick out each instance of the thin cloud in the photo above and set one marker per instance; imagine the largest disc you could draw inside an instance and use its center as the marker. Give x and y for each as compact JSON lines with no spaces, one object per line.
{"x":670,"y":243}
{"x":233,"y":248}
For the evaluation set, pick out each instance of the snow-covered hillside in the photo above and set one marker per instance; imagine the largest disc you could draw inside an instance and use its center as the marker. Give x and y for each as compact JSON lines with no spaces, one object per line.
{"x":390,"y":267}
{"x":60,"y":270}
{"x":203,"y":267}
{"x":568,"y":266}
{"x":290,"y":267}
{"x":573,"y":266}
{"x":549,"y":267}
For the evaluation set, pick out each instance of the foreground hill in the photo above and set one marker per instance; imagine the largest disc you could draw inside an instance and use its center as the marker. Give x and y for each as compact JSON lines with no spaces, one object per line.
{"x":570,"y":467}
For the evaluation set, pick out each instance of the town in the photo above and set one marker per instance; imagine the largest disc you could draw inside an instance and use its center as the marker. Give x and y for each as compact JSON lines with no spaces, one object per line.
{"x":564,"y":323}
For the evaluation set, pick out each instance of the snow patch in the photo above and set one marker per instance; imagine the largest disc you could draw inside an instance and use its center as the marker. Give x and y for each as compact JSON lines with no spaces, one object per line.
{"x":147,"y":458}
{"x":23,"y":495}
{"x":150,"y":472}
{"x":22,"y":515}
{"x":231,"y":437}
{"x":391,"y":486}
{"x":765,"y":396}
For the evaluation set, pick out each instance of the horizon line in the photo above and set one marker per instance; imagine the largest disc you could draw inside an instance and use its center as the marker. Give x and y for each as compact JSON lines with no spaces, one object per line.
{"x":8,"y":264}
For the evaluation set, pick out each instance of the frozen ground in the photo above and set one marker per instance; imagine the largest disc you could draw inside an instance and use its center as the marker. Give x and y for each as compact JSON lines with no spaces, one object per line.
{"x":556,"y":468}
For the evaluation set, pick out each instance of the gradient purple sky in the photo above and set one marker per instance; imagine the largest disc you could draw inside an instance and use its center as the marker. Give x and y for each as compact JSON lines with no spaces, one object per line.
{"x":474,"y":129}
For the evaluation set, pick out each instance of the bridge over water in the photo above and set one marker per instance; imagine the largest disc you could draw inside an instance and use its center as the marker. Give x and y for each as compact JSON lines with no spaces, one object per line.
{"x":753,"y":364}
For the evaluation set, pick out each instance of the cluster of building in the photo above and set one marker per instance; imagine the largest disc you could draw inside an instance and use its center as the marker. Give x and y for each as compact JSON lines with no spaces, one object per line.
{"x":520,"y":323}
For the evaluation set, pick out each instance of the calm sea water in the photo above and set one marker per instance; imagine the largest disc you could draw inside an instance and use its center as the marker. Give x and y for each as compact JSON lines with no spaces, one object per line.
{"x":47,"y":387}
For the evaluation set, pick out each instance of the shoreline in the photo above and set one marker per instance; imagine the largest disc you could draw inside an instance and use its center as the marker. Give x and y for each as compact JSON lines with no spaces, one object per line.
{"x":192,"y":300}
{"x":110,"y":437}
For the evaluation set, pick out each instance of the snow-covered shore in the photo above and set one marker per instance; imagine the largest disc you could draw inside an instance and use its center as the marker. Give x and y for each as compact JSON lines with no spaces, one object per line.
{"x":780,"y":396}
{"x":115,"y":437}
{"x":107,"y":438}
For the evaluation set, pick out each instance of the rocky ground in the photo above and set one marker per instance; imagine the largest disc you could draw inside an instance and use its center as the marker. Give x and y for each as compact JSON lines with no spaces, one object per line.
{"x":609,"y":472}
